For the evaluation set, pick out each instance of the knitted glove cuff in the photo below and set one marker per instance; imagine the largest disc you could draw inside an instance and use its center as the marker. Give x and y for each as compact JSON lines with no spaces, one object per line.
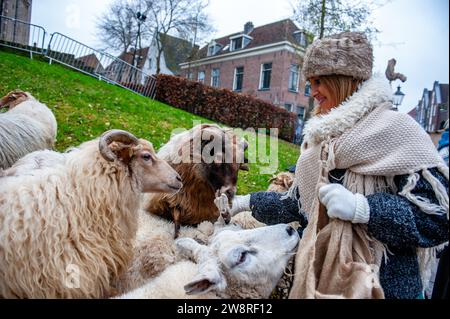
{"x":241,"y":203}
{"x":362,"y":212}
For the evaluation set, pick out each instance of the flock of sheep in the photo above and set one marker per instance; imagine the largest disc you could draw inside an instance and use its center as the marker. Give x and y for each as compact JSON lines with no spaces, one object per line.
{"x":113,"y":218}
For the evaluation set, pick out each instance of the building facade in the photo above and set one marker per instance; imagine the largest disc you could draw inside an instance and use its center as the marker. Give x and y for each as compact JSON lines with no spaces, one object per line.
{"x":431,"y":111}
{"x":263,"y":62}
{"x":15,"y":32}
{"x":175,"y":51}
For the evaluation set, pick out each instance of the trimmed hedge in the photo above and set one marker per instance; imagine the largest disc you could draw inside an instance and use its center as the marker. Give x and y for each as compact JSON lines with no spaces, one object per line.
{"x":224,"y":106}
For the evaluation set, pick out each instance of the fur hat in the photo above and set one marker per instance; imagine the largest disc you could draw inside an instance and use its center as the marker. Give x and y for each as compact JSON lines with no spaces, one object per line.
{"x":348,"y":53}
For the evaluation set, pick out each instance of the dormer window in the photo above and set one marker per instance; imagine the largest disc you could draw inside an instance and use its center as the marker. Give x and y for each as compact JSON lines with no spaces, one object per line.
{"x":213,"y":48}
{"x":239,"y":42}
{"x":300,"y":37}
{"x":236,"y":44}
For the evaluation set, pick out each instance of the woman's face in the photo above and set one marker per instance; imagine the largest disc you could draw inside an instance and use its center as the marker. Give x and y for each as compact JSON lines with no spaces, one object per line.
{"x":322,"y":95}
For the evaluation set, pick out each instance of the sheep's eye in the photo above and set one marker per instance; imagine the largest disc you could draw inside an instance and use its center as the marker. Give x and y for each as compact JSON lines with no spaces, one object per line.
{"x":242,"y":257}
{"x":146,"y":157}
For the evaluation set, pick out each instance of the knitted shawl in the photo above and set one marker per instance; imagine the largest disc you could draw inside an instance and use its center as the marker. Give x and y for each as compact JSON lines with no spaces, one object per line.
{"x":335,"y":258}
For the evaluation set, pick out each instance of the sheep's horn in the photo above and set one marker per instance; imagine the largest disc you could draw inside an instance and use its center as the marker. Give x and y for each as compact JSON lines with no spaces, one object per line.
{"x":114,"y":136}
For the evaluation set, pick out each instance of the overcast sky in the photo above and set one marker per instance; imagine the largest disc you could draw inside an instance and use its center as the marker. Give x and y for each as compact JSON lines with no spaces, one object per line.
{"x":414,"y":32}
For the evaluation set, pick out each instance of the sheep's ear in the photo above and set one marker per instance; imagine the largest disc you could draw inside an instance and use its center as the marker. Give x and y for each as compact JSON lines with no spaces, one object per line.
{"x":209,"y":275}
{"x":208,"y":278}
{"x":200,"y":286}
{"x":123,"y":151}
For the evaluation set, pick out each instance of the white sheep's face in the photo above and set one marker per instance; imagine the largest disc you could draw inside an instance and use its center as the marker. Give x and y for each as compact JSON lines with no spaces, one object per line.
{"x":253,"y":257}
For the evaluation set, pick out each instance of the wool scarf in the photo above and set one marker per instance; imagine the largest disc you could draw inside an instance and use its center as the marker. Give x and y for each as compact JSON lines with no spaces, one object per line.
{"x":335,"y":258}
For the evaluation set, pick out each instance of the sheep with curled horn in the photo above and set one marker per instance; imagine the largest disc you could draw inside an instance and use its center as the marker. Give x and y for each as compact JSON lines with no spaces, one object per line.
{"x":206,"y":172}
{"x":67,"y":230}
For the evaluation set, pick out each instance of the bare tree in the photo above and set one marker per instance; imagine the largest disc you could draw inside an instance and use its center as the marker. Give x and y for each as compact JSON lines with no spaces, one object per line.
{"x":118,"y":26}
{"x":326,"y":17}
{"x":186,"y":18}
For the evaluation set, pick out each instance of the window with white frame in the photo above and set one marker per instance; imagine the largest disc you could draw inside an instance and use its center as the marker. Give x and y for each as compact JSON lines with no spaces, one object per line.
{"x":201,"y":76}
{"x":266,"y":73}
{"x":239,"y":42}
{"x":307,"y":89}
{"x":236,"y":44}
{"x":238,"y":78}
{"x":293,"y":78}
{"x":288,"y":107}
{"x":215,"y":77}
{"x":300,"y":112}
{"x":213,"y":48}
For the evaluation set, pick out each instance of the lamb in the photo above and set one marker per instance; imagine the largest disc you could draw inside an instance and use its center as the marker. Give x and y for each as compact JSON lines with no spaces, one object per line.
{"x":236,"y":264}
{"x":67,"y":231}
{"x":27,"y":126}
{"x":206,"y":172}
{"x":154,"y":247}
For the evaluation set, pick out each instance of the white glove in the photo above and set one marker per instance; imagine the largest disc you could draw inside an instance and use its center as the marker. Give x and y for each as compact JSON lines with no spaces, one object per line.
{"x":241,"y":203}
{"x":343,"y":204}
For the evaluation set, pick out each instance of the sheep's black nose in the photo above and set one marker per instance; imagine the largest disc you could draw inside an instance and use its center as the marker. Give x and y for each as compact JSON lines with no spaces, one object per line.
{"x":179,"y":178}
{"x":290,"y":230}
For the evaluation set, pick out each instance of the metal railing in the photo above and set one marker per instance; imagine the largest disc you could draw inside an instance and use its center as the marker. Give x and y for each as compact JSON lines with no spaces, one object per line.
{"x":22,"y":35}
{"x":99,"y":64}
{"x":76,"y":55}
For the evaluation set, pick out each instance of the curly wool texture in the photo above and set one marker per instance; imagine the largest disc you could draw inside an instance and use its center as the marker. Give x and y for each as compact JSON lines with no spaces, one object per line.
{"x":69,"y":222}
{"x":347,"y":53}
{"x":28,"y":127}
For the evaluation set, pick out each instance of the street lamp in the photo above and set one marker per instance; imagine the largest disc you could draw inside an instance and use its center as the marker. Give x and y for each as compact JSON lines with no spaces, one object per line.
{"x":141,"y":19}
{"x":397,"y":98}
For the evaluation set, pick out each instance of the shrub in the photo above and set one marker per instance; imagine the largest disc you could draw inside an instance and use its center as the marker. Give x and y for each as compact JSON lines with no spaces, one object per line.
{"x":224,"y":106}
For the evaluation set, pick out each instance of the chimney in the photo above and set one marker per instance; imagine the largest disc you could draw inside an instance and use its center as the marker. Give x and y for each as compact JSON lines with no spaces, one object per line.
{"x":248,"y":27}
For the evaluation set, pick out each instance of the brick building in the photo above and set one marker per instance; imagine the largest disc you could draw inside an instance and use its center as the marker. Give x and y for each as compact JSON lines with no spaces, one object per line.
{"x":431,"y":111}
{"x":176,"y":50}
{"x":263,"y":62}
{"x":15,"y":32}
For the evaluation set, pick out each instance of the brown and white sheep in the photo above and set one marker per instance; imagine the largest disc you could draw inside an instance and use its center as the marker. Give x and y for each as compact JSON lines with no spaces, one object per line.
{"x":208,"y":158}
{"x":235,"y":264}
{"x":67,"y":231}
{"x":27,"y":126}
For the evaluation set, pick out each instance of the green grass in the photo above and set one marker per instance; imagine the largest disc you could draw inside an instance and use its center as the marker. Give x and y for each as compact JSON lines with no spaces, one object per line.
{"x":85,"y":107}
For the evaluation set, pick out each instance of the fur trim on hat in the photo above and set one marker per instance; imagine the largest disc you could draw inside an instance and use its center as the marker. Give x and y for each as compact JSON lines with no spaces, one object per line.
{"x":348,"y":53}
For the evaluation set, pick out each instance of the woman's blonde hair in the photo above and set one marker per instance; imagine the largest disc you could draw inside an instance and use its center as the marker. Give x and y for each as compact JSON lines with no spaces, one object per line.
{"x":340,"y":87}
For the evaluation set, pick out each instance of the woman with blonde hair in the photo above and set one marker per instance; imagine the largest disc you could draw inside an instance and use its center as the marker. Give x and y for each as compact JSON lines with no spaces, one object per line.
{"x":370,"y":190}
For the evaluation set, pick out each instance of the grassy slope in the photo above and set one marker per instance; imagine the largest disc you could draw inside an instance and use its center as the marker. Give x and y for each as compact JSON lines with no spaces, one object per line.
{"x":85,"y":107}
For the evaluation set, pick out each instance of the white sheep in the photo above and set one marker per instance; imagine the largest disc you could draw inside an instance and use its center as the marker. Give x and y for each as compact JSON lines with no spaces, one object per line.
{"x":27,"y":126}
{"x":154,"y":247}
{"x":236,"y":264}
{"x":34,"y":163}
{"x":67,"y":231}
